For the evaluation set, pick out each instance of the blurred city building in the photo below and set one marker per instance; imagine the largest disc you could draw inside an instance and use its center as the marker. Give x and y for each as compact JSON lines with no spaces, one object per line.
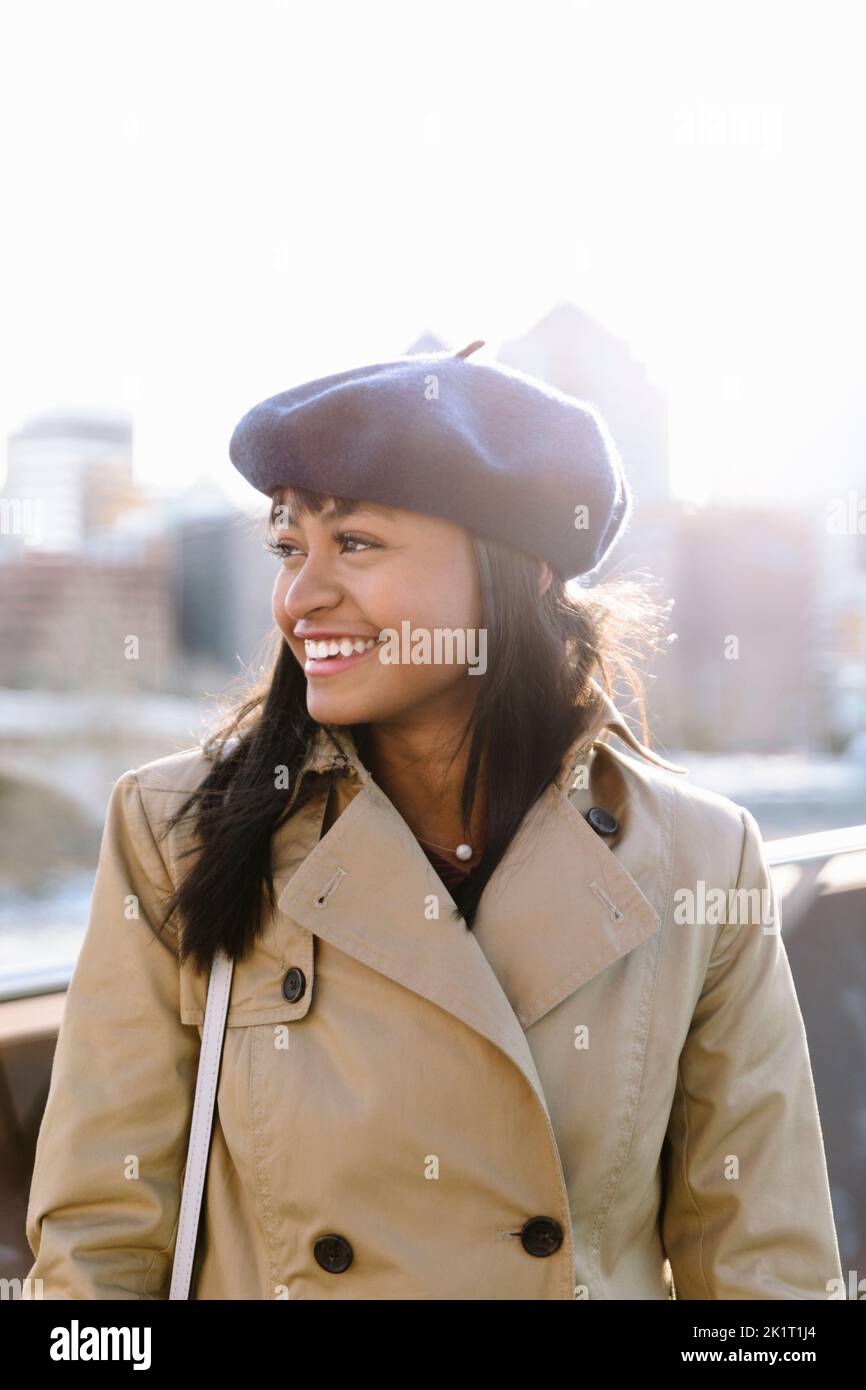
{"x":73,"y":471}
{"x":769,"y":605}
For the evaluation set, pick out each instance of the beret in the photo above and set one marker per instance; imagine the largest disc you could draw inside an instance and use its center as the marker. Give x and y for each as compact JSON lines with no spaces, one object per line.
{"x":493,"y":449}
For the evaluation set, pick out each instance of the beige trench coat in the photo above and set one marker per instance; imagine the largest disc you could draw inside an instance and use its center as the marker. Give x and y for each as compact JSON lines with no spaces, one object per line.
{"x":580,"y":1098}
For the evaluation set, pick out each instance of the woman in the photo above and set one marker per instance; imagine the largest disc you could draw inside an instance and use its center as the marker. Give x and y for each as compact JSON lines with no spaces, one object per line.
{"x":499,"y":1027}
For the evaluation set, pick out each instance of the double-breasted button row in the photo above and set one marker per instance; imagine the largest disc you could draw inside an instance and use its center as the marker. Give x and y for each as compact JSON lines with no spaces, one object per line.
{"x":603,"y":822}
{"x":294,"y":984}
{"x":540,"y":1235}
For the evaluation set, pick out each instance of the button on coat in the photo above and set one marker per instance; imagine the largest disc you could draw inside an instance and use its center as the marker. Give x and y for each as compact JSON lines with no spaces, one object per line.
{"x":333,"y":1253}
{"x":541,"y":1236}
{"x":602,"y":821}
{"x":294,"y":984}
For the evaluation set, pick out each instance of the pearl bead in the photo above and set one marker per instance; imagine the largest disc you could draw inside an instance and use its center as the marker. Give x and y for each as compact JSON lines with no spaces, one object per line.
{"x":463,"y":851}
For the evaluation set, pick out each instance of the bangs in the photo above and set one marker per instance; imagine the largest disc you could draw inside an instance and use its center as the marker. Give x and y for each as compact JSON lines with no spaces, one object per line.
{"x":293,"y":502}
{"x":288,"y":504}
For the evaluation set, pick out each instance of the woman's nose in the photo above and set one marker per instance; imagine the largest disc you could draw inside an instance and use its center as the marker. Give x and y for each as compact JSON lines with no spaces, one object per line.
{"x":312,"y":587}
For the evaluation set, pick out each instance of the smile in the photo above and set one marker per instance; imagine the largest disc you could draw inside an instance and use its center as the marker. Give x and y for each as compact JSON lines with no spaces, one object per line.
{"x":328,"y":657}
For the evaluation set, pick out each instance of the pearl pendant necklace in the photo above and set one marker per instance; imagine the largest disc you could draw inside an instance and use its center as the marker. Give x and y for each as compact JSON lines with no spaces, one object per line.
{"x":463,"y":852}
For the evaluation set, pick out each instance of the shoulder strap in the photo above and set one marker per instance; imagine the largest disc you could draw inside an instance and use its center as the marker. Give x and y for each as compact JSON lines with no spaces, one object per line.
{"x":216,"y":1008}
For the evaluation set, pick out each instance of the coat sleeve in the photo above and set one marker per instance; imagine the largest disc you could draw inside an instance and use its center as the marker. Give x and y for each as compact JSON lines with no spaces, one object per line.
{"x":106,"y":1184}
{"x":747,"y":1211}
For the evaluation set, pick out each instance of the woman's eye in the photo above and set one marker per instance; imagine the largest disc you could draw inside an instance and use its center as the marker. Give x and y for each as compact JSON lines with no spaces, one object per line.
{"x":346,"y":538}
{"x":280,"y":548}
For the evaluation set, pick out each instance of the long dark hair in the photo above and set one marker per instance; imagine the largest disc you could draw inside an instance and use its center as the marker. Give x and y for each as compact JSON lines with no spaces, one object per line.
{"x":542,"y":652}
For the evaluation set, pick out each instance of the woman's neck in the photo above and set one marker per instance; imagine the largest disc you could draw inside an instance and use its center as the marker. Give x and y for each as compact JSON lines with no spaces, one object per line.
{"x":415,"y":771}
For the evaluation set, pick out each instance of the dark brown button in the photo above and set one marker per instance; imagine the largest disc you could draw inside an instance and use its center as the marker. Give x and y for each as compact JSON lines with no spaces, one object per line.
{"x":541,"y":1235}
{"x":294,"y":984}
{"x":333,"y":1253}
{"x":602,"y":821}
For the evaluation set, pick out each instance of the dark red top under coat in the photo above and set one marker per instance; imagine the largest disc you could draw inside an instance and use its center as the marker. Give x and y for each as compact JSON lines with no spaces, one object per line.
{"x":449,"y":873}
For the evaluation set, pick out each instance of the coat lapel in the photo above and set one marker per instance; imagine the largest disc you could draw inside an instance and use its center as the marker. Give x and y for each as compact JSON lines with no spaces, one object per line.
{"x":559,"y":908}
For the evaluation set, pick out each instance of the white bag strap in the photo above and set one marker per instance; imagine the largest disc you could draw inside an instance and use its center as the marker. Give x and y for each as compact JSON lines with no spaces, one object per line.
{"x":216,"y":1009}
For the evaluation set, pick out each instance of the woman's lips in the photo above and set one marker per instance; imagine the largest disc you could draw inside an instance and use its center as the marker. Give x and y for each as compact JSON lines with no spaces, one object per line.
{"x":333,"y":665}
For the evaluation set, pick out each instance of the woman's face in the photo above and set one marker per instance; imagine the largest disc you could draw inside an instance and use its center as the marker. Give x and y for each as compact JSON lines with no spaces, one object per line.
{"x":355,"y":576}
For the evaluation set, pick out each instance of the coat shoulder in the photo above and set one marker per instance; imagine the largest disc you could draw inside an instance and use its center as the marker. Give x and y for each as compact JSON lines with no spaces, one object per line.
{"x":164,"y":784}
{"x":706,"y":827}
{"x":176,"y":774}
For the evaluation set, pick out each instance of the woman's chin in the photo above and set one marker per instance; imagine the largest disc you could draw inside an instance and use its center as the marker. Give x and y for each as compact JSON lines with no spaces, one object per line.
{"x":336,"y":708}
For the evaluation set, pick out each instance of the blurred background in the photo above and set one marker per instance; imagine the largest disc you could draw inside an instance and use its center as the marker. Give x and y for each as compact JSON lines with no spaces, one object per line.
{"x":656,"y":209}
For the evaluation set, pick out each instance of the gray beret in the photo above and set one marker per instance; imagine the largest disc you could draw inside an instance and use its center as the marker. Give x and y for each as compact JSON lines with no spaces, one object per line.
{"x":483,"y":445}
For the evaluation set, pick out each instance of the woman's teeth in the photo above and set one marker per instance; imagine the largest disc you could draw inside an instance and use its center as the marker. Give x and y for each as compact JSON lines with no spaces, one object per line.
{"x":342,"y":646}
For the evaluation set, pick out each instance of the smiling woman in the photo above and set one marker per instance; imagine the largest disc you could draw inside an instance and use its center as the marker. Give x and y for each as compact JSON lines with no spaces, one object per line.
{"x":471,"y":1050}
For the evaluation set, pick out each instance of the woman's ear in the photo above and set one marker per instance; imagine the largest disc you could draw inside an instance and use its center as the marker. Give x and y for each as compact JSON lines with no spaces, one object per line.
{"x":545,"y":576}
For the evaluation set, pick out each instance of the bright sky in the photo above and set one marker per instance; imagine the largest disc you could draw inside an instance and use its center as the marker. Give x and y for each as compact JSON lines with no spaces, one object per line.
{"x":208,"y":202}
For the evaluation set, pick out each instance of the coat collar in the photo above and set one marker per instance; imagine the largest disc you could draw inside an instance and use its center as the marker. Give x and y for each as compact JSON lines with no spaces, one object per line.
{"x":559,"y":908}
{"x":334,"y":746}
